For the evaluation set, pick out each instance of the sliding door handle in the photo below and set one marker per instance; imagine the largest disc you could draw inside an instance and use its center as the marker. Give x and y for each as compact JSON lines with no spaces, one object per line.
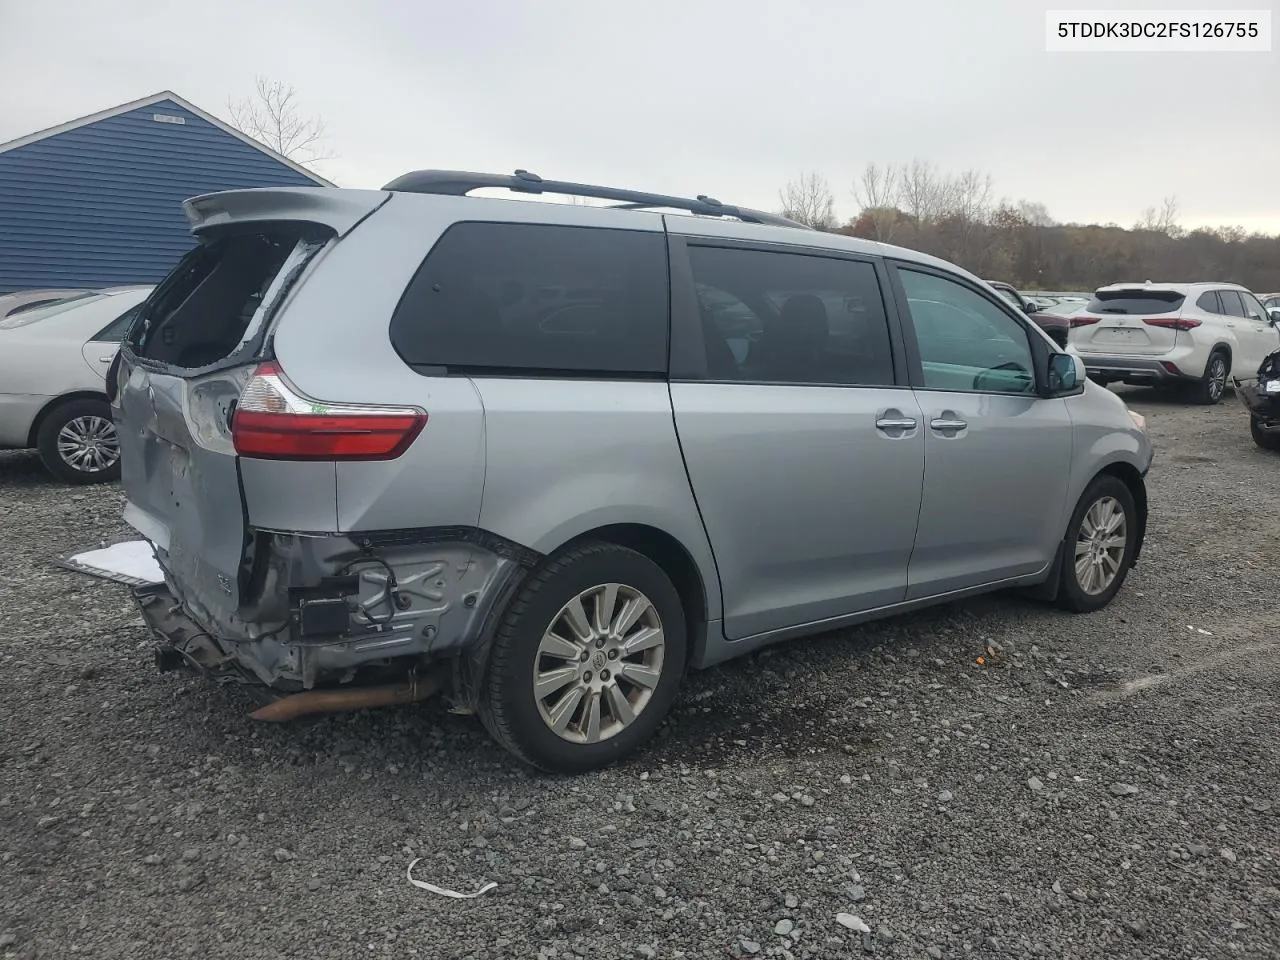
{"x":895,"y":423}
{"x":944,"y":424}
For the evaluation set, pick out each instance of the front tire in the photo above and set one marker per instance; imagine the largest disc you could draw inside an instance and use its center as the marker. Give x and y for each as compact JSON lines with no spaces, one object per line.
{"x":587,"y":661}
{"x":1263,"y":438}
{"x":1209,"y":390}
{"x":78,"y":443}
{"x":1099,"y":546}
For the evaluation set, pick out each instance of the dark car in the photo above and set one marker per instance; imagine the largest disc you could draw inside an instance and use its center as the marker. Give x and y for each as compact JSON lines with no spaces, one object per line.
{"x":1057,"y":326}
{"x":1262,"y":400}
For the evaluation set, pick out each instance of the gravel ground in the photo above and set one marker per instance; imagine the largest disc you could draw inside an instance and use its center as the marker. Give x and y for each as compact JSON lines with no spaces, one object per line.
{"x":1095,"y":786}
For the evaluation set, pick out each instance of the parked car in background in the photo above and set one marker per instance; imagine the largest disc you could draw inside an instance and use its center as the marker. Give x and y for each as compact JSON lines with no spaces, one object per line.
{"x":11,"y":303}
{"x":548,"y":455}
{"x":1057,"y":329}
{"x":1195,"y":336}
{"x":1010,"y":293}
{"x":1270,"y":300}
{"x":1261,"y":397}
{"x":53,"y":363}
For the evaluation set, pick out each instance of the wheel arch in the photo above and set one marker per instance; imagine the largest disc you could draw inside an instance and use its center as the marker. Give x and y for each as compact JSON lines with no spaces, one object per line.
{"x":1132,"y":478}
{"x":34,"y":433}
{"x":1222,"y":346}
{"x":676,"y":561}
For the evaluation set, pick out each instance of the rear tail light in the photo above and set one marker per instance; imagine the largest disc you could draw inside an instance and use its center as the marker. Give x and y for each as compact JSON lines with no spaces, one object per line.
{"x":1084,"y":321}
{"x":273,"y":421}
{"x":1172,"y":323}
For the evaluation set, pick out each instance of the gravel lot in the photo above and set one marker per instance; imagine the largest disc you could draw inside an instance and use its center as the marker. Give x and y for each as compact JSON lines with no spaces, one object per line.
{"x":1099,"y":786}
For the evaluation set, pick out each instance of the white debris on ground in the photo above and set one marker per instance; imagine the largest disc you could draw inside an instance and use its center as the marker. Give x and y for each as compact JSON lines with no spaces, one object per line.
{"x":441,"y":891}
{"x":134,"y":559}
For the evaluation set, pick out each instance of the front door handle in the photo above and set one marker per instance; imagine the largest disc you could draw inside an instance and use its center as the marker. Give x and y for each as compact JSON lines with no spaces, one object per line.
{"x":947,"y":424}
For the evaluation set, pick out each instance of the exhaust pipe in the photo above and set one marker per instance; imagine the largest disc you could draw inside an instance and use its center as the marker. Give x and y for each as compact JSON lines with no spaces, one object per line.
{"x":328,"y":701}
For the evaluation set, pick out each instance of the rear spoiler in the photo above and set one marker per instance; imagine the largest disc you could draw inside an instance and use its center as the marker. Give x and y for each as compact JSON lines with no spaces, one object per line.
{"x":339,"y":210}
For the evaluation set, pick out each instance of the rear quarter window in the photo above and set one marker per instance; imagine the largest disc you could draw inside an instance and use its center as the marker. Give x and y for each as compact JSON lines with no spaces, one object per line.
{"x":1145,"y":302}
{"x":533,"y":298}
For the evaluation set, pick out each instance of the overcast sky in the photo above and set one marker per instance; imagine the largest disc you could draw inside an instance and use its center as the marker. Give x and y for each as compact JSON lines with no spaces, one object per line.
{"x":726,"y":97}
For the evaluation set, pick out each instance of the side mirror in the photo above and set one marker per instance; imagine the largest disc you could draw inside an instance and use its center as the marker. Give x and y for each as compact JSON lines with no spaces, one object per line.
{"x":1274,"y":314}
{"x":1029,"y":306}
{"x":1064,"y":375}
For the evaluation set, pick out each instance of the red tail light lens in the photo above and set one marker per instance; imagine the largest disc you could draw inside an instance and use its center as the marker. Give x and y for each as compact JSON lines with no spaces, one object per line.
{"x":1172,"y":323}
{"x":273,"y":421}
{"x":1084,"y":321}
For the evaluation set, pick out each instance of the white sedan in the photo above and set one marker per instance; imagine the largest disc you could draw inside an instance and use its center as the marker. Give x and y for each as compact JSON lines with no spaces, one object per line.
{"x":53,"y":366}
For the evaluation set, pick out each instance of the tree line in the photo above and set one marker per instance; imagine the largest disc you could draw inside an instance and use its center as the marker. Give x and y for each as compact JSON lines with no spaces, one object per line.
{"x":956,"y":216}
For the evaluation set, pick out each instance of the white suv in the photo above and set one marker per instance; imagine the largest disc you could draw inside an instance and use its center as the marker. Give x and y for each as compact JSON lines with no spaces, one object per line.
{"x":1189,"y":334}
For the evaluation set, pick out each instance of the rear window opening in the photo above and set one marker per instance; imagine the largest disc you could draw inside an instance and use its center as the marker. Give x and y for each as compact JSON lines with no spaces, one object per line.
{"x":217,"y":297}
{"x":1136,"y":301}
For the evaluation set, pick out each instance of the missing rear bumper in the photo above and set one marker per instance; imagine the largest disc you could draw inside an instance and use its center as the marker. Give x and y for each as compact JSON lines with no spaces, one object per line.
{"x":335,"y":611}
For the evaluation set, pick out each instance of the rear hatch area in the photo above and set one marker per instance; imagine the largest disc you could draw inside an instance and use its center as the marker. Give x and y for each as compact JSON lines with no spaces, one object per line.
{"x":1130,"y":322}
{"x":197,"y":342}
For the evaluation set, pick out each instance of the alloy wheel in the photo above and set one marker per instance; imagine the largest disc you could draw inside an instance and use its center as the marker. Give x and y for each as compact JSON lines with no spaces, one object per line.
{"x":598,"y":663}
{"x":1100,"y":545}
{"x":89,"y":444}
{"x":1217,"y":378}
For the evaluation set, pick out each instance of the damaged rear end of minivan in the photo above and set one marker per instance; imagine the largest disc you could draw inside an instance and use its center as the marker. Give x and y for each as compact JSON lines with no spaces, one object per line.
{"x":264,"y":435}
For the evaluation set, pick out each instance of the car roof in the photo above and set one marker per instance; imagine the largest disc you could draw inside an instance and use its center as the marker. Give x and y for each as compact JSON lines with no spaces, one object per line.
{"x":1172,"y":287}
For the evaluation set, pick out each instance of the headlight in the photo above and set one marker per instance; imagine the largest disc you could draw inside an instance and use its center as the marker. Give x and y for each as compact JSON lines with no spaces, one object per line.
{"x":1139,"y":420}
{"x":1271,"y":386}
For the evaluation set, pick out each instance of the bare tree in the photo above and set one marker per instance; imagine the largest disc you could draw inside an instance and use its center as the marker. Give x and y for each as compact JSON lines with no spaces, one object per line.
{"x":1036,"y":214}
{"x":272,"y":117}
{"x":925,"y":195}
{"x":1163,"y":220}
{"x":876,"y":192}
{"x":968,"y":196}
{"x":809,"y":201}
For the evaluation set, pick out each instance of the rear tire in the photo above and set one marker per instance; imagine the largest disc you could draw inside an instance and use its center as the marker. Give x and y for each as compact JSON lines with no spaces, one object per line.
{"x":1099,"y":545}
{"x":78,"y":443}
{"x":1263,"y":438}
{"x":1209,"y":389}
{"x":587,"y":661}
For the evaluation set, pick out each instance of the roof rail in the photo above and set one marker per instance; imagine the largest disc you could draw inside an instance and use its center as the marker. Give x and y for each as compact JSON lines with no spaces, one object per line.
{"x":458,"y":183}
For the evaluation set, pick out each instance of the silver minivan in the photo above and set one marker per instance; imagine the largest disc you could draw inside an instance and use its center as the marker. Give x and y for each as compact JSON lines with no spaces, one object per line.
{"x":544,"y":458}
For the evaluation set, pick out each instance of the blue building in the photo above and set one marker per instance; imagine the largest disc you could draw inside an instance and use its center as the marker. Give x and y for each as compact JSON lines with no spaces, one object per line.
{"x":97,"y":201}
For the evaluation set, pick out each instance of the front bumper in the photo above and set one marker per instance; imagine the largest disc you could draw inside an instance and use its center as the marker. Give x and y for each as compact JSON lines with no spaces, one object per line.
{"x":1263,"y":407}
{"x":1107,"y":368}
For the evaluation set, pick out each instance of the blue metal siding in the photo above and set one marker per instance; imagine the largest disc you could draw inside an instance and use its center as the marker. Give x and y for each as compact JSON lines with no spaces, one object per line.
{"x":101,"y":204}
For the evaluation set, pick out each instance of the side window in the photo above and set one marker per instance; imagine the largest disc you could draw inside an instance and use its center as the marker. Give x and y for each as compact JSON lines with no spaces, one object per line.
{"x":1253,"y":308}
{"x":1208,"y":302}
{"x":513,"y":297}
{"x":1231,"y":304}
{"x":966,"y":342}
{"x":116,"y":330}
{"x":791,"y":318}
